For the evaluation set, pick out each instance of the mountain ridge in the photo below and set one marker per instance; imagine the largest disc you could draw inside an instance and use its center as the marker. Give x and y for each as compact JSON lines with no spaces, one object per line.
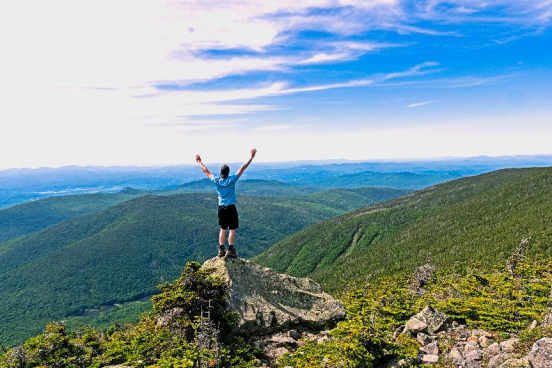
{"x":493,"y":210}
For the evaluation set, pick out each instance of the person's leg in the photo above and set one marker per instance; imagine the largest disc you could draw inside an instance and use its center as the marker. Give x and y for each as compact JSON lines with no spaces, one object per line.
{"x":231,"y":238}
{"x":233,"y":225}
{"x":231,"y":250}
{"x":222,"y":237}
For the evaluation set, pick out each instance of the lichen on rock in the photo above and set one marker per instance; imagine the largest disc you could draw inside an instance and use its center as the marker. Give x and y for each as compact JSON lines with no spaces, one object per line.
{"x":267,"y":301}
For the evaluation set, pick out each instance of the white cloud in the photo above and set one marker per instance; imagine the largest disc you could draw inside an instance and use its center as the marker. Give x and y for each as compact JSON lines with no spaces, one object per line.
{"x":74,"y":70}
{"x":419,"y":104}
{"x":282,"y":127}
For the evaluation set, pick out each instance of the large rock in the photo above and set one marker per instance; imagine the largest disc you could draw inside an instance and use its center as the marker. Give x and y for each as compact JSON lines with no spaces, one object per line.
{"x":267,"y":301}
{"x":516,"y":363}
{"x":428,"y":320}
{"x":541,"y":353}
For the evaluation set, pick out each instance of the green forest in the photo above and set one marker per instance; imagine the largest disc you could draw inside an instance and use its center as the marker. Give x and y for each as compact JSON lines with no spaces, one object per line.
{"x":116,"y":254}
{"x":503,"y":301}
{"x":468,"y":223}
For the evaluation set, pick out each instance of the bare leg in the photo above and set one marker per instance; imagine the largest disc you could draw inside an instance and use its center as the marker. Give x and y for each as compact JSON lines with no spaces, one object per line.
{"x":231,"y":238}
{"x":222,"y":236}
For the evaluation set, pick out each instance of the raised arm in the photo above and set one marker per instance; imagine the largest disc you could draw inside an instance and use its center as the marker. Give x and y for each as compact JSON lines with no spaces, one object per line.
{"x":203,"y":167}
{"x":244,"y":166}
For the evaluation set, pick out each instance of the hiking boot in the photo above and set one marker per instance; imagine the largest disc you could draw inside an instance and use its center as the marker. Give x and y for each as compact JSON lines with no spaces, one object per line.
{"x":231,"y":253}
{"x":222,"y":252}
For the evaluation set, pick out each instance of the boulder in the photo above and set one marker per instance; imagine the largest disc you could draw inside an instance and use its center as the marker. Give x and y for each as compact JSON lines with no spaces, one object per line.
{"x":516,"y":363}
{"x":415,"y":325}
{"x":491,"y":350}
{"x":497,"y":360}
{"x":430,"y":359}
{"x":471,"y":345}
{"x":485,"y":341}
{"x":433,"y":320}
{"x":424,"y":339}
{"x":267,"y":301}
{"x":431,"y":349}
{"x":508,"y":346}
{"x":294,"y":334}
{"x":474,"y":355}
{"x":541,"y":353}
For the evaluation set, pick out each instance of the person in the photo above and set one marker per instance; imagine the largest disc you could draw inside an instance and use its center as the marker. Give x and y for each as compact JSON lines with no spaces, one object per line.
{"x":227,"y":212}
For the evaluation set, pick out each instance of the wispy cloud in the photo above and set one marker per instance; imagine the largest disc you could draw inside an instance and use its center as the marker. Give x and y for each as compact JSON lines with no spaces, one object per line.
{"x":275,"y":127}
{"x":419,"y":104}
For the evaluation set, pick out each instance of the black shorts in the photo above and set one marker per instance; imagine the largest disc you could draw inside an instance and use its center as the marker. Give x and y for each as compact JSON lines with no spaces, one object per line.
{"x":228,"y":217}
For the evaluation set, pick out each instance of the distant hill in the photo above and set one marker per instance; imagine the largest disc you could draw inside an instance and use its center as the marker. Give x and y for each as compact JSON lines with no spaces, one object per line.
{"x":466,"y":223}
{"x":121,"y":253}
{"x":403,"y":180}
{"x":22,"y":185}
{"x":33,"y":216}
{"x":255,"y":187}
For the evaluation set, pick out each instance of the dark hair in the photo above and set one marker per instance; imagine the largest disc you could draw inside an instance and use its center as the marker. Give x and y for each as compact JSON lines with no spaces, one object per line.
{"x":224,"y":171}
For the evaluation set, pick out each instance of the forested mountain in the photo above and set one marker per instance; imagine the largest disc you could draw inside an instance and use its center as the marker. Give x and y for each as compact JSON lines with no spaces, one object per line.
{"x":256,"y":187}
{"x":23,"y":185}
{"x":33,"y":216}
{"x":466,"y":223}
{"x":121,"y":253}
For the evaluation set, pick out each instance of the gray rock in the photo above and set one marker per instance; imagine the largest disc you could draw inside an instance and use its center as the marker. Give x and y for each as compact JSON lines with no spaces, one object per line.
{"x":267,"y":301}
{"x":471,"y":345}
{"x":435,"y":320}
{"x":400,"y":363}
{"x":533,"y":324}
{"x":430,"y":359}
{"x":474,"y":355}
{"x":491,"y":350}
{"x":547,"y":319}
{"x":432,"y":318}
{"x":498,"y":359}
{"x":485,"y":341}
{"x":456,"y":355}
{"x":282,"y":340}
{"x":430,"y":349}
{"x":508,"y":346}
{"x":472,"y":364}
{"x":541,"y":353}
{"x":276,"y":353}
{"x":416,"y":325}
{"x":294,"y":334}
{"x":170,"y":316}
{"x":516,"y":363}
{"x":424,"y":339}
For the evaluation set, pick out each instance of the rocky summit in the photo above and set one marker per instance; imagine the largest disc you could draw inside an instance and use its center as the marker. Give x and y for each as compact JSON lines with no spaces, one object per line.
{"x":268,"y":301}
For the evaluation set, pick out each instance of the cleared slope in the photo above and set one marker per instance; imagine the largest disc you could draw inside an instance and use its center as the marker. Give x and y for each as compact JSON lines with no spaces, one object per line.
{"x":470,"y":222}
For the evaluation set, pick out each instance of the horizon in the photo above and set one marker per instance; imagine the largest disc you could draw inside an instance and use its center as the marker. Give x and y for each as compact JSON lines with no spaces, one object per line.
{"x":299,"y":162}
{"x":298,"y":80}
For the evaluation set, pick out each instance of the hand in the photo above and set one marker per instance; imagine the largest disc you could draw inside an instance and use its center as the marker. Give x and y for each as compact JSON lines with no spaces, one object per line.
{"x":198,"y":159}
{"x":253,"y":152}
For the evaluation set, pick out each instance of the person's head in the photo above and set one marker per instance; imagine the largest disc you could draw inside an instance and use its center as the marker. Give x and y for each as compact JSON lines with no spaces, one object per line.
{"x":224,"y":171}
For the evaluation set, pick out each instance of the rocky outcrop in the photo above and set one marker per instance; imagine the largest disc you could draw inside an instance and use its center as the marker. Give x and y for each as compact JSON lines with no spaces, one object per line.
{"x":541,"y":353}
{"x":453,"y":345}
{"x":267,"y":301}
{"x":429,"y":320}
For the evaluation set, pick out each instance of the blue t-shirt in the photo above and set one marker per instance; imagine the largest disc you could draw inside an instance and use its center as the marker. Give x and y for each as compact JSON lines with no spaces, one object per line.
{"x":226,"y":189}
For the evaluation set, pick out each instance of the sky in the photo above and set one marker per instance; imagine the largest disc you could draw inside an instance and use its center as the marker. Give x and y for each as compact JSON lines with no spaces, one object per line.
{"x":139,"y":82}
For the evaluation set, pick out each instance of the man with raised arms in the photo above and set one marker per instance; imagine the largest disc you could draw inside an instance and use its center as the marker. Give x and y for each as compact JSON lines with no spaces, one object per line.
{"x":227,"y":212}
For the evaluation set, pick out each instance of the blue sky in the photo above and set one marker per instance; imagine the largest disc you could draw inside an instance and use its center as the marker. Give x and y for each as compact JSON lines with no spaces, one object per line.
{"x":155,"y":82}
